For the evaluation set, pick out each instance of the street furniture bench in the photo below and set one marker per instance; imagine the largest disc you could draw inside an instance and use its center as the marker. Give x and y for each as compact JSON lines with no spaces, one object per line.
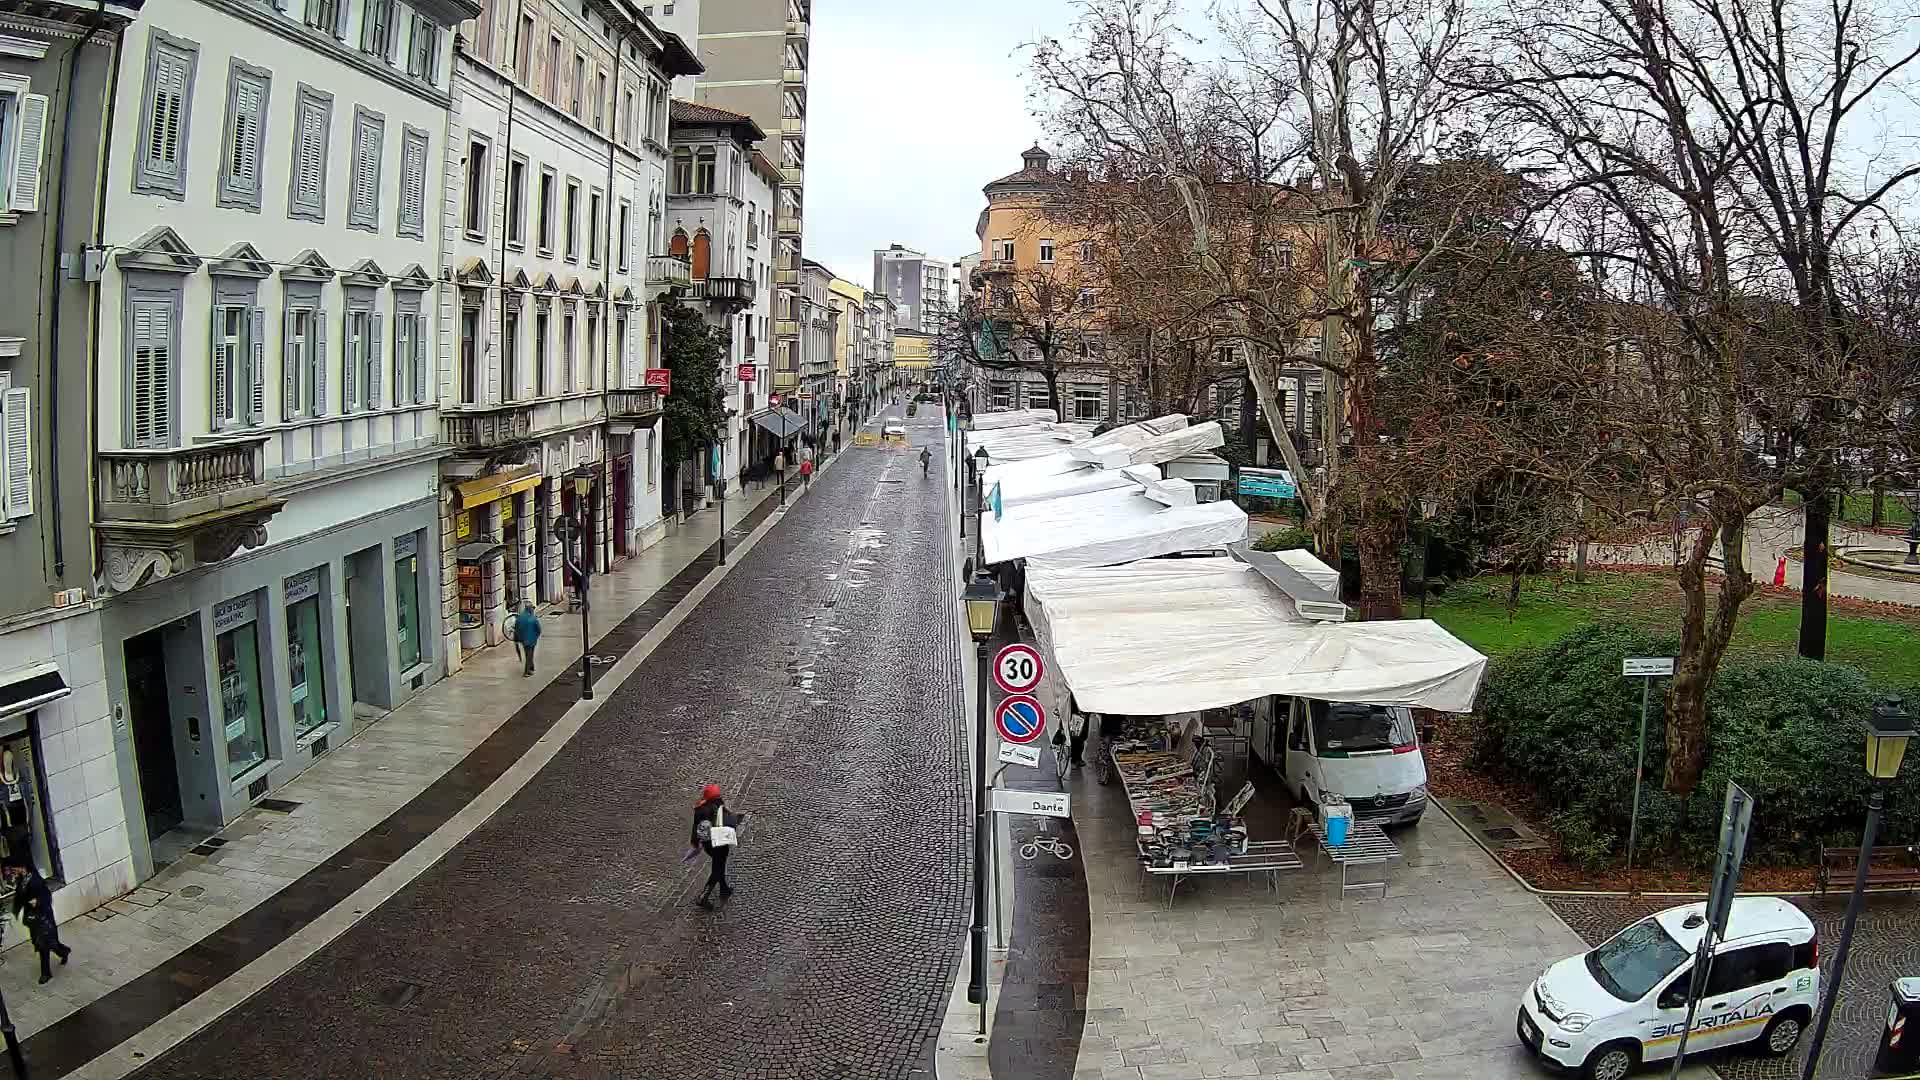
{"x":1895,"y":866}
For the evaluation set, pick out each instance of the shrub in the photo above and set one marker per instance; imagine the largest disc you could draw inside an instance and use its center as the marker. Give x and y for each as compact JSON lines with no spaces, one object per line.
{"x":1284,"y":539}
{"x":1590,"y":849}
{"x":1788,"y":731}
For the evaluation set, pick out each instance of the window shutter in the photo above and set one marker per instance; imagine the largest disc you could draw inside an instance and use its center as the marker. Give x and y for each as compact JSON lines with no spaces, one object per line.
{"x":245,"y":166}
{"x":317,"y":364}
{"x":222,"y":368}
{"x":366,"y":172}
{"x":311,"y":155}
{"x":169,"y":114}
{"x":29,"y":148}
{"x":17,"y":408}
{"x":419,"y":360}
{"x":373,"y":355}
{"x":257,"y":367}
{"x":413,"y":184}
{"x":350,"y":359}
{"x":150,"y":373}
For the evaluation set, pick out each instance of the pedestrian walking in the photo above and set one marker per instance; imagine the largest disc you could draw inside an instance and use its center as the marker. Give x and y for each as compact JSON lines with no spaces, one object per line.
{"x":513,"y":634}
{"x":926,"y":459}
{"x":1076,"y":733}
{"x":33,"y":905}
{"x":527,"y":632}
{"x":780,"y":467}
{"x":806,"y":471}
{"x":716,"y":831}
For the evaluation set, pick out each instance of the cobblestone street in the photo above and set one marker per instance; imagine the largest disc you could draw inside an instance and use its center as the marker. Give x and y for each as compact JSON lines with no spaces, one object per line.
{"x":818,"y":685}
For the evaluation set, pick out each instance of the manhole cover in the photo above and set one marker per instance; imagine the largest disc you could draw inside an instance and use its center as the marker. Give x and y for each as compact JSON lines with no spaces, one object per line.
{"x":191,"y":891}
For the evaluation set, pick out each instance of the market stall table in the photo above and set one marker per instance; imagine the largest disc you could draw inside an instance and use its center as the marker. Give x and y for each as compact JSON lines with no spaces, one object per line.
{"x":1367,"y":845}
{"x":1268,"y":857}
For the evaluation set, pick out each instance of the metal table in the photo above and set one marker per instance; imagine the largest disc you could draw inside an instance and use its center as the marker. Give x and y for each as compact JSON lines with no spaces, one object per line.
{"x":1269,"y":857}
{"x":1367,"y":845}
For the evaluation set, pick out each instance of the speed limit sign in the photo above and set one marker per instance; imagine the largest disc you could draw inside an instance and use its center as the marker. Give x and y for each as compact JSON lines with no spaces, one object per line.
{"x":1017,"y":668}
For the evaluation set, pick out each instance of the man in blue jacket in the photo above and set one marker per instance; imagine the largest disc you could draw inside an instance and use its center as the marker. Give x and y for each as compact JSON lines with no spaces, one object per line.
{"x":526,"y":630}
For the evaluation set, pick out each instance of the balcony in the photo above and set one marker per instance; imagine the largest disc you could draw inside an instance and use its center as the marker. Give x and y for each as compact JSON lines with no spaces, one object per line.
{"x":995,"y":267}
{"x":668,"y":273}
{"x":487,"y":427}
{"x":729,"y":293}
{"x":791,"y":175}
{"x":795,"y":78}
{"x":793,"y":127}
{"x":784,"y":381}
{"x":639,"y":406}
{"x":787,"y":224}
{"x":166,"y":512}
{"x":797,"y":30}
{"x":787,"y":278}
{"x":786,"y":328}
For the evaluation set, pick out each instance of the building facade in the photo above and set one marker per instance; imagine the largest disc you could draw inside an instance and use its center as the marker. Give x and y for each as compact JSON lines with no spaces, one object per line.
{"x":921,"y":288}
{"x":553,"y":218}
{"x":62,"y":800}
{"x":819,"y":352}
{"x":268,"y":440}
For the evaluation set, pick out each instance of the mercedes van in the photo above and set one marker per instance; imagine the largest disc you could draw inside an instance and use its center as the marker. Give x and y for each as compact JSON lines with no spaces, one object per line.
{"x":1367,"y":756}
{"x":1606,"y":1011}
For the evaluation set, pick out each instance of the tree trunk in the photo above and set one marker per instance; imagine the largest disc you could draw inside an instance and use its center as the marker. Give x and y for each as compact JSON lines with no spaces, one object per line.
{"x":1703,"y":640}
{"x":1813,"y":582}
{"x":1380,"y":593}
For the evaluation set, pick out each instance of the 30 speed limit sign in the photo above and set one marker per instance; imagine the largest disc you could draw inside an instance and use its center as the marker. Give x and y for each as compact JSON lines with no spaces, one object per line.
{"x":1017,"y":669}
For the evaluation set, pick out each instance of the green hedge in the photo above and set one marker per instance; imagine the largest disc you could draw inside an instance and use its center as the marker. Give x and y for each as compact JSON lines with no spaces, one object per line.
{"x":1788,"y":731}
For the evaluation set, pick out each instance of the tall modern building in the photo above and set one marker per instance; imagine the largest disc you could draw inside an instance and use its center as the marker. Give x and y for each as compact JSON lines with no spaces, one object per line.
{"x":921,"y":288}
{"x":755,"y":55}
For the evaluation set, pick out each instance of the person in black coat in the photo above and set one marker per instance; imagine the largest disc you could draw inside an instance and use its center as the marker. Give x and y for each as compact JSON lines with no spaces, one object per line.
{"x":33,"y":905}
{"x":710,"y":811}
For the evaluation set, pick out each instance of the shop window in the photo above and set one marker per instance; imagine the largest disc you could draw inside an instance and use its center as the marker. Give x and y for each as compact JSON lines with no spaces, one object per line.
{"x":241,"y":712}
{"x":406,"y":587}
{"x":23,"y":832}
{"x":306,"y":654}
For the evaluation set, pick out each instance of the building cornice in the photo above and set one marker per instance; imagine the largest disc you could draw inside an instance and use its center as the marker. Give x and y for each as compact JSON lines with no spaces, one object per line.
{"x":272,"y":20}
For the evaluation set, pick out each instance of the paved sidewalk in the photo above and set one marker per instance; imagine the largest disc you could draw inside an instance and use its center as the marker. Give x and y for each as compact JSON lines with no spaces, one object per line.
{"x":355,"y":788}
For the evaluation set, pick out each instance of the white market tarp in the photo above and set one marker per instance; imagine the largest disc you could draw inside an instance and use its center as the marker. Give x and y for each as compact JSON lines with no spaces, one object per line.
{"x":1179,"y":635}
{"x":1111,"y":526}
{"x":1016,"y":490}
{"x":1029,"y":441}
{"x":1081,"y":455}
{"x":1013,"y":418}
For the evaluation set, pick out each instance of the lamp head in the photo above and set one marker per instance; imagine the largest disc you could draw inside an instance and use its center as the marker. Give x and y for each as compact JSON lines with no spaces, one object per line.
{"x":1888,"y":730}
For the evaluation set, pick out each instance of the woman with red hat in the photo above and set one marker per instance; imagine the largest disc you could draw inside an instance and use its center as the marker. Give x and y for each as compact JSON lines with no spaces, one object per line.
{"x":715,"y":831}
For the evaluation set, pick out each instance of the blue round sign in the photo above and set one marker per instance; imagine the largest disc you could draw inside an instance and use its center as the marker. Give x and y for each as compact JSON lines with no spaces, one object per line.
{"x":1021,"y":718}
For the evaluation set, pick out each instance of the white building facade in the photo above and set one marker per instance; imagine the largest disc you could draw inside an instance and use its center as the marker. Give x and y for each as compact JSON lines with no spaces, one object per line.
{"x":268,"y":435}
{"x":553,"y":209}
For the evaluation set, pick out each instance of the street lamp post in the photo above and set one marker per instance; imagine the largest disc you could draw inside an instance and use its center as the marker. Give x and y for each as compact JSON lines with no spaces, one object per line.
{"x":1888,"y":730}
{"x":1429,"y":509}
{"x":581,"y":571}
{"x":982,"y":600}
{"x":979,"y":460}
{"x":1913,"y":538}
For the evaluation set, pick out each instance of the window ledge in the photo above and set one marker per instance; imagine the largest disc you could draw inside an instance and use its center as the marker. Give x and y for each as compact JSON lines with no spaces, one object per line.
{"x":317,"y":734}
{"x":238,"y":785}
{"x":8,"y":217}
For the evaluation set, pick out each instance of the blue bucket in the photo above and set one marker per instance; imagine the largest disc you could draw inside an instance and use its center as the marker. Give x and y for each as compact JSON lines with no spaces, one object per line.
{"x":1337,"y":830}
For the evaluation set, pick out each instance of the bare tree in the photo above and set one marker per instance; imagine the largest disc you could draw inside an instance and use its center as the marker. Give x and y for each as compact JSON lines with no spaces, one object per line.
{"x":1038,"y":319}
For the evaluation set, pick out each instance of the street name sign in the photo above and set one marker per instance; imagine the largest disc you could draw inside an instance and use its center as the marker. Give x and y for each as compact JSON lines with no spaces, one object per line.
{"x":1646,"y":666}
{"x":1016,"y":754}
{"x":1017,"y":668}
{"x":1038,"y":803}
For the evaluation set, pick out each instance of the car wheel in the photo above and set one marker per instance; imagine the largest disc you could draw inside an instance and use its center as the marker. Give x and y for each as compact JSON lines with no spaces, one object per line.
{"x":1612,"y":1062}
{"x":1783,"y":1034}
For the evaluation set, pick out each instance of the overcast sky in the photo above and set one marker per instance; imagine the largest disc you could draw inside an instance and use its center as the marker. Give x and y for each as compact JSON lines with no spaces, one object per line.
{"x":912,"y":106}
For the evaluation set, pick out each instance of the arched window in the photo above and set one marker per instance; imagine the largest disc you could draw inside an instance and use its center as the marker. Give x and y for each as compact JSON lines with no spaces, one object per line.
{"x":682,"y":171}
{"x":678,"y":245}
{"x":703,"y":171}
{"x":702,"y":254}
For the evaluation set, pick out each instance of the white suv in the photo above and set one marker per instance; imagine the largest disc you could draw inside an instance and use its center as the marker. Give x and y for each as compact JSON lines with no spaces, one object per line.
{"x":1606,"y":1011}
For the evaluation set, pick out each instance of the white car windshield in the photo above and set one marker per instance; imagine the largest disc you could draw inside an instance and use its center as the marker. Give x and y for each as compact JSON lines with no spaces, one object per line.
{"x":1343,"y":728}
{"x":1635,"y":960}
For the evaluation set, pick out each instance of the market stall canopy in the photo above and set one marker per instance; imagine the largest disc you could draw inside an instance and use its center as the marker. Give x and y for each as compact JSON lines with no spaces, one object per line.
{"x":1013,"y":418}
{"x":1018,"y":489}
{"x":1085,"y":454}
{"x":1111,"y":526}
{"x":1027,"y":441}
{"x":1180,"y":635}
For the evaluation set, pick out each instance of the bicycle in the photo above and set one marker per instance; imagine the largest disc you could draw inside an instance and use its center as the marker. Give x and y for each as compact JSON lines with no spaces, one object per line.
{"x":1047,"y":842}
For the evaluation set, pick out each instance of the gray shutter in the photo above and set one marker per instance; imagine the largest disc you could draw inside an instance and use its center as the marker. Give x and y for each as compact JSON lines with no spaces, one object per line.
{"x":257,"y":368}
{"x":317,"y":369}
{"x":17,"y":406}
{"x":419,"y":360}
{"x":373,"y":365}
{"x":289,"y":371}
{"x":222,"y":369}
{"x":349,"y":360}
{"x":30,"y":146}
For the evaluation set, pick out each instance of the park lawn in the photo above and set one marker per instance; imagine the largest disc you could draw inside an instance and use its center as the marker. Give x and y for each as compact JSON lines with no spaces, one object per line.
{"x":1857,"y":509}
{"x":1883,"y":646}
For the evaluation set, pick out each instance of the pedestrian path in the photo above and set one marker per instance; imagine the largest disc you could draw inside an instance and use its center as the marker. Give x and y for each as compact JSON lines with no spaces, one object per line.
{"x":353,"y":812}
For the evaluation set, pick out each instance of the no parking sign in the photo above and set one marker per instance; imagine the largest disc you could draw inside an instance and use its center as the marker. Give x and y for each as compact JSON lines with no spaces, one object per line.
{"x":1020,"y":718}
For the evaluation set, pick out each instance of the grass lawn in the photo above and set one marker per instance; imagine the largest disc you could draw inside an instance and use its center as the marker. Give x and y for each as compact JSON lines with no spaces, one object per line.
{"x":1857,"y":509}
{"x":1885,"y":647}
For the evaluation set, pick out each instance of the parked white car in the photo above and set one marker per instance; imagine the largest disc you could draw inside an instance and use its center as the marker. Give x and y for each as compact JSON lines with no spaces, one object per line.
{"x":1606,"y":1011}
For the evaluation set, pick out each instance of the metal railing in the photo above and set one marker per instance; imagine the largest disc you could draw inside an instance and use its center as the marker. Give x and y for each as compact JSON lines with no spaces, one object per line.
{"x":168,"y":485}
{"x":487,"y":427}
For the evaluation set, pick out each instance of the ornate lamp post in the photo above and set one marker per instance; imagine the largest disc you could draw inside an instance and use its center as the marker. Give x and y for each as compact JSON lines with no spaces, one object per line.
{"x":982,"y":599}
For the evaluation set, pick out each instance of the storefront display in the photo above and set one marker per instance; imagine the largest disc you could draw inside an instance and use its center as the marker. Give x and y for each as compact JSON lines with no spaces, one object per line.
{"x":406,"y":606}
{"x":306,"y":655}
{"x":24,"y":832}
{"x":237,"y":661}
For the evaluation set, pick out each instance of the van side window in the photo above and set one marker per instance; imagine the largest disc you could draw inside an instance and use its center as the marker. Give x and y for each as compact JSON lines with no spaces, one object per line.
{"x":1738,"y":969}
{"x":1297,"y":731}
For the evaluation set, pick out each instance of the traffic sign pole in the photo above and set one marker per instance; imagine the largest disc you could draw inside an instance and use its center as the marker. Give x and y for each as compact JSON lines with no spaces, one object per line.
{"x":1646,"y":669}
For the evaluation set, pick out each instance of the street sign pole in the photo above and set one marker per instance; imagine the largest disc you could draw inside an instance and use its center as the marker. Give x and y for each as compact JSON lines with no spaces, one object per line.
{"x":1736,"y":818}
{"x":1646,"y":670}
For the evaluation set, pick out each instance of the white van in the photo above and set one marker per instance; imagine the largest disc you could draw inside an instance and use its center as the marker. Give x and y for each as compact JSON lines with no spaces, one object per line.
{"x":1606,"y":1011}
{"x":1365,"y":755}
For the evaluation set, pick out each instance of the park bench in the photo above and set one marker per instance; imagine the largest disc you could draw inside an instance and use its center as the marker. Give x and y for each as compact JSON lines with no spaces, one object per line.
{"x":1896,"y":866}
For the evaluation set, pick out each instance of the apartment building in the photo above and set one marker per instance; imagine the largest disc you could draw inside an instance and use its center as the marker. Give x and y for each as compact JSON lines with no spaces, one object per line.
{"x":720,"y":217}
{"x":853,"y":342}
{"x":268,"y":438}
{"x":552,"y":216}
{"x":62,"y":804}
{"x":920,"y":287}
{"x":756,"y":56}
{"x":819,"y":348}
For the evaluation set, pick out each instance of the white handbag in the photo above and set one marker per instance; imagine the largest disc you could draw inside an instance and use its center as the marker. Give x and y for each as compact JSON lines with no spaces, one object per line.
{"x":720,"y":834}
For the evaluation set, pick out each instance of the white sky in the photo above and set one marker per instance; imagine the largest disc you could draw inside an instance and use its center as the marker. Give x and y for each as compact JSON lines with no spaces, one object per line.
{"x":912,"y":106}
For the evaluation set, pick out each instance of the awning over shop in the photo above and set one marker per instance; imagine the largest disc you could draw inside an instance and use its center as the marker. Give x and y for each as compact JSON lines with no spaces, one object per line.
{"x":30,"y":687}
{"x":780,"y":423}
{"x":478,"y":551}
{"x":497,"y":486}
{"x":1113,"y":526}
{"x":1180,"y":635}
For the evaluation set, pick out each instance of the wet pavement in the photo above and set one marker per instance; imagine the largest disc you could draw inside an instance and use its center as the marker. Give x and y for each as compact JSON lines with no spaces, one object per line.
{"x":818,"y":684}
{"x":1885,"y":947}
